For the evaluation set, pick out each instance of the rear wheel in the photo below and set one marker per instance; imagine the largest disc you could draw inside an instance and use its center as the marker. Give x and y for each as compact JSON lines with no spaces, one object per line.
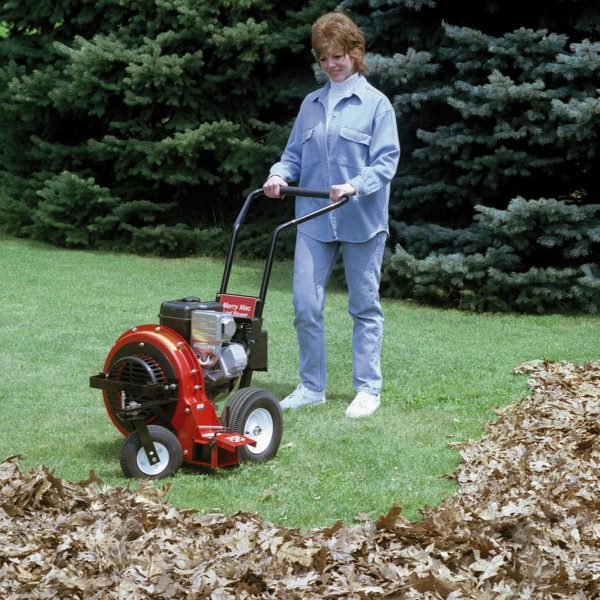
{"x":135,"y":462}
{"x":255,"y":413}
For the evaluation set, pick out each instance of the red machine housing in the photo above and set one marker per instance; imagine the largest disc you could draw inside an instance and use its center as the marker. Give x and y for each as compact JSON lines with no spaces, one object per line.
{"x":194,"y":419}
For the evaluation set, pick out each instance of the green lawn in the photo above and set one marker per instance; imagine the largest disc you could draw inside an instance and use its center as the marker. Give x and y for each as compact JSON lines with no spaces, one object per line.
{"x":445,"y":371}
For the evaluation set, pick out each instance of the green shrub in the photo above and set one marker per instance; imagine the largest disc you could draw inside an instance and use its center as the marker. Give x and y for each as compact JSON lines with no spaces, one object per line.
{"x":74,"y":212}
{"x":535,"y":256}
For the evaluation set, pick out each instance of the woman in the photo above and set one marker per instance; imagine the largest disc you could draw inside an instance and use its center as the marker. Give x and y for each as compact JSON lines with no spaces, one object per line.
{"x":344,"y":139}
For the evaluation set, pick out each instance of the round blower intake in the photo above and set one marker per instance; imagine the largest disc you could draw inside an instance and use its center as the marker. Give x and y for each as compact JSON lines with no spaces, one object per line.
{"x":138,"y":369}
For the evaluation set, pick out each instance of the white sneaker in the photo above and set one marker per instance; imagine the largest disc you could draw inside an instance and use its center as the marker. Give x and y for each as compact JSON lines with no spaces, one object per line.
{"x":363,"y":405}
{"x":302,"y":397}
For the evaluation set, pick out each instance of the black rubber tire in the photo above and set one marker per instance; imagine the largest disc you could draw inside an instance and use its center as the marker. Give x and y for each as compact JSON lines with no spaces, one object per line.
{"x":249,"y":410}
{"x":134,"y":462}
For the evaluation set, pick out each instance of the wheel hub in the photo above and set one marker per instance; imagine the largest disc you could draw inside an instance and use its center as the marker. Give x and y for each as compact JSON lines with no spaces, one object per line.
{"x":147,"y":467}
{"x":259,"y":426}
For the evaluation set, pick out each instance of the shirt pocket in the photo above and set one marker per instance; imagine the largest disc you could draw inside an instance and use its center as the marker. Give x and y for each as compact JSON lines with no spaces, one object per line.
{"x":310,"y":147}
{"x":354,"y":146}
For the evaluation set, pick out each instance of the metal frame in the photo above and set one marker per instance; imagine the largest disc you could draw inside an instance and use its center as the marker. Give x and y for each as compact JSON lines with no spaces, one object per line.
{"x":286,"y":191}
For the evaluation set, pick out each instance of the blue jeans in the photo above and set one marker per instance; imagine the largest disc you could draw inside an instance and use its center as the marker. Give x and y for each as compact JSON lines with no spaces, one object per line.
{"x":313,"y":263}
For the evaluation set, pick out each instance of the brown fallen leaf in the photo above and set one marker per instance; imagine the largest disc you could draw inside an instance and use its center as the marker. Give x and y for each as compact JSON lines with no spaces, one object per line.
{"x":525,"y":523}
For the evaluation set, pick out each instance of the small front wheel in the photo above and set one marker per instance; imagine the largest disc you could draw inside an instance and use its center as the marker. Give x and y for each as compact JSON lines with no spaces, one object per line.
{"x":256,"y":413}
{"x":135,"y":463}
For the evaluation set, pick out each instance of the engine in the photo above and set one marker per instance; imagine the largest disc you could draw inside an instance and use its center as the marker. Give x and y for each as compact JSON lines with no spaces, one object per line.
{"x":213,"y":336}
{"x":211,"y":333}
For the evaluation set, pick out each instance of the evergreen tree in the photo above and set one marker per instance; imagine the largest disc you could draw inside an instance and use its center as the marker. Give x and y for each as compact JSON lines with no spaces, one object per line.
{"x":139,"y":116}
{"x":136,"y":124}
{"x":498,"y":110}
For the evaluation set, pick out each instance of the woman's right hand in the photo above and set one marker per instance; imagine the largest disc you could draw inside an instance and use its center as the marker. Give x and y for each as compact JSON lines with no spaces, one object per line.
{"x":272,"y":187}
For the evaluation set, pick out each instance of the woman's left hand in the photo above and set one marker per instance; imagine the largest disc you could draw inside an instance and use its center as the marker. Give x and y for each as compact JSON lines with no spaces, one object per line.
{"x":337,"y":192}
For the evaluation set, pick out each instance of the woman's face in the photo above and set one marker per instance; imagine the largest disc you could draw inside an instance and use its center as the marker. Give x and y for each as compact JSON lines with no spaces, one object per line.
{"x":336,"y":64}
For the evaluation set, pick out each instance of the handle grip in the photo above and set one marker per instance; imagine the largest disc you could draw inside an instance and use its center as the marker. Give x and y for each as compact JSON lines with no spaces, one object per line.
{"x":287,"y":190}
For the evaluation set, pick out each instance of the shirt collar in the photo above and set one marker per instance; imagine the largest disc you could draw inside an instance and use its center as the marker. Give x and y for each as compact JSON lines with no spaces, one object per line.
{"x":358,"y":91}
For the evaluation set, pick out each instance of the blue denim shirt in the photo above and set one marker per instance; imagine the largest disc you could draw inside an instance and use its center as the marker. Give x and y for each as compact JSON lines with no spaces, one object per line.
{"x":360,"y":146}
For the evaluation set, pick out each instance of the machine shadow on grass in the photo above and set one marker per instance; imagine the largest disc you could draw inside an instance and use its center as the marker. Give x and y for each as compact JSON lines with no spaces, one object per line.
{"x":102,"y":453}
{"x":105,"y":448}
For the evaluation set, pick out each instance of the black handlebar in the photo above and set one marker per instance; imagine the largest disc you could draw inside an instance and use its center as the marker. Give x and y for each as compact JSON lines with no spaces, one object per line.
{"x":285,"y":190}
{"x":308,"y":192}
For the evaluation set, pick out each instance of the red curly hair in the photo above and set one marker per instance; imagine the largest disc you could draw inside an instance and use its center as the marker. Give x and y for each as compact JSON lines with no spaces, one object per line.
{"x":335,"y":30}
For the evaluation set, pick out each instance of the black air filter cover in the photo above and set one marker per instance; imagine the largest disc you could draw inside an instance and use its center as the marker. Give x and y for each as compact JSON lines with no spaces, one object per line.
{"x":177,"y":314}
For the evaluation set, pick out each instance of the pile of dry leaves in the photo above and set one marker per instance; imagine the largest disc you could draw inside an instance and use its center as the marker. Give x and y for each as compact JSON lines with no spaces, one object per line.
{"x":525,"y":524}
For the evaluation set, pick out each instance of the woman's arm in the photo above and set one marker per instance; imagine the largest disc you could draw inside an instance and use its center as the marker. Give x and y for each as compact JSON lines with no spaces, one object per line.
{"x":384,"y":154}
